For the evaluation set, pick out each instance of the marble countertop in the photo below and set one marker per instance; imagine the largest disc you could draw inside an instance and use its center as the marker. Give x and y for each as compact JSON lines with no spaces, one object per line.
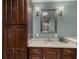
{"x":41,"y":42}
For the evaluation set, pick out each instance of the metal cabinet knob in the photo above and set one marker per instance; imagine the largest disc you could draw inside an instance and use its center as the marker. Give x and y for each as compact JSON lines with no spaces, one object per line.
{"x":35,"y":50}
{"x":69,"y":52}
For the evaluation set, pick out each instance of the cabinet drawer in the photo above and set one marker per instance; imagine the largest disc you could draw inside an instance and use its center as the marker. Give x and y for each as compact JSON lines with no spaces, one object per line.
{"x":35,"y":51}
{"x":68,"y":51}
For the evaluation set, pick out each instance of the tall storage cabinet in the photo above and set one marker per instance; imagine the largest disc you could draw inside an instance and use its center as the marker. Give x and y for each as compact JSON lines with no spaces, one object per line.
{"x":15,"y":11}
{"x":15,"y":29}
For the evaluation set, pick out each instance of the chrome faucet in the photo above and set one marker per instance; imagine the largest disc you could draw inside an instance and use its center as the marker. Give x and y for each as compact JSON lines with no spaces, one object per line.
{"x":49,"y":40}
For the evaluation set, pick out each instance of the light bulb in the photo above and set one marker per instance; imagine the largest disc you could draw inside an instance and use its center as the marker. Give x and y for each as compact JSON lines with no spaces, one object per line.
{"x":37,"y":9}
{"x":37,"y":35}
{"x":56,"y":35}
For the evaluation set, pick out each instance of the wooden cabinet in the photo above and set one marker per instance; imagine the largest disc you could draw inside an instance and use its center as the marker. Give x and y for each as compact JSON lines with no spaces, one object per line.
{"x":16,"y":45}
{"x":68,"y":53}
{"x":35,"y":53}
{"x":15,"y":11}
{"x":15,"y":29}
{"x":51,"y":53}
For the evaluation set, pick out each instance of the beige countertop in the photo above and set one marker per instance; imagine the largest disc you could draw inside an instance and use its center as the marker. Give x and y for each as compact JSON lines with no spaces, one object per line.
{"x":41,"y":42}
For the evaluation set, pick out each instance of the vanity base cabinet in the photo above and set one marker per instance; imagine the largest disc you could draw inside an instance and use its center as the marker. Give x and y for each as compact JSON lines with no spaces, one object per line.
{"x":52,"y":53}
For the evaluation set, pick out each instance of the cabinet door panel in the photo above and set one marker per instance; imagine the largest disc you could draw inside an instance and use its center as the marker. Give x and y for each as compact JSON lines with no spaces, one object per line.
{"x":22,"y":12}
{"x":16,"y":42}
{"x":21,"y":42}
{"x":10,"y":54}
{"x":21,"y":36}
{"x":10,"y":42}
{"x":9,"y":12}
{"x":15,"y":11}
{"x":10,"y":37}
{"x":35,"y":53}
{"x":21,"y":19}
{"x":51,"y":54}
{"x":69,"y":53}
{"x":21,"y":54}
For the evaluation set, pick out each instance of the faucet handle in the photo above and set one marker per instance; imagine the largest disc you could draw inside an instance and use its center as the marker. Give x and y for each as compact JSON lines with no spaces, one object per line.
{"x":49,"y":40}
{"x":52,"y":40}
{"x":46,"y":40}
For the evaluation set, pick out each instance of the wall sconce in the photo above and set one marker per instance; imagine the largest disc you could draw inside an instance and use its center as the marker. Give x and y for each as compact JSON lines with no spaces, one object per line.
{"x":60,"y":11}
{"x":37,"y":11}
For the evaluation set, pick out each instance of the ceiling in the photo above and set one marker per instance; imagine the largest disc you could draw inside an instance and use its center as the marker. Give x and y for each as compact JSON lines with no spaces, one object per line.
{"x":50,"y":0}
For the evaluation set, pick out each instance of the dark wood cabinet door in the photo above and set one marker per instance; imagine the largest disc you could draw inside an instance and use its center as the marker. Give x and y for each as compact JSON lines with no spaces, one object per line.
{"x":51,"y":53}
{"x":35,"y":53}
{"x":21,"y":42}
{"x":69,"y":53}
{"x":10,"y":11}
{"x":22,"y":12}
{"x":15,"y":39}
{"x":15,"y":11}
{"x":9,"y":42}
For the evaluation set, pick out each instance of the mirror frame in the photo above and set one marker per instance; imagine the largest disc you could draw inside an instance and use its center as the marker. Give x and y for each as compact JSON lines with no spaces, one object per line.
{"x":55,"y":21}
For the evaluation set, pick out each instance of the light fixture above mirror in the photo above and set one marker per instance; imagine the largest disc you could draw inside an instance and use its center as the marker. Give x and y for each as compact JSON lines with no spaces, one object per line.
{"x":37,"y":10}
{"x":61,"y":11}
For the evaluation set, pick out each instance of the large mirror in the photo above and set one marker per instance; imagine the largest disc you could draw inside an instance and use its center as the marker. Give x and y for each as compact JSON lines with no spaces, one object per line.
{"x":48,"y":21}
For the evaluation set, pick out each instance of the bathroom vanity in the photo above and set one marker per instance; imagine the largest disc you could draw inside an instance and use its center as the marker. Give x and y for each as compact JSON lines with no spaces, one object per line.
{"x":39,"y":48}
{"x":33,"y":33}
{"x":52,"y":53}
